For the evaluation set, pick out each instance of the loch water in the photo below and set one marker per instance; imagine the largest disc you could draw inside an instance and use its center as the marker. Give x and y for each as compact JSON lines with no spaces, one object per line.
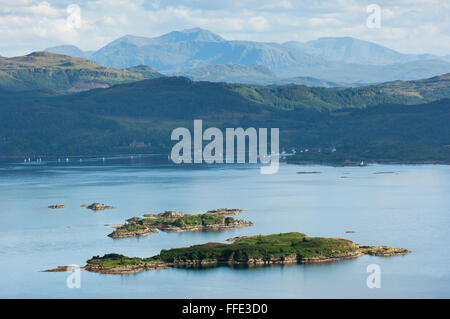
{"x":404,"y":206}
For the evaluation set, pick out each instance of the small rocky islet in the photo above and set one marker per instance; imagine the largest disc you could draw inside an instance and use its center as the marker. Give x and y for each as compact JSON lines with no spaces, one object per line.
{"x":173,"y":221}
{"x":283,"y":248}
{"x":94,"y":206}
{"x":97,"y":206}
{"x":57,"y":206}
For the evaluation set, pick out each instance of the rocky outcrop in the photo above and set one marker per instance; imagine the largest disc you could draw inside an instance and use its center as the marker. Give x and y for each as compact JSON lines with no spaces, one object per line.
{"x":126,"y":269}
{"x":136,"y":233}
{"x":98,"y":206}
{"x":57,"y":206}
{"x":63,"y":269}
{"x":235,"y":239}
{"x":175,"y":214}
{"x":226,"y":211}
{"x":383,"y":251}
{"x":213,"y":227}
{"x":325,"y":259}
{"x":168,"y":214}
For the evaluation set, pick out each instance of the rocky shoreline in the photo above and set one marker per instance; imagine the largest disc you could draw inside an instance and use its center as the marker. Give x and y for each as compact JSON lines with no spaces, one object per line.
{"x":290,"y":259}
{"x":57,"y":206}
{"x":97,"y":206}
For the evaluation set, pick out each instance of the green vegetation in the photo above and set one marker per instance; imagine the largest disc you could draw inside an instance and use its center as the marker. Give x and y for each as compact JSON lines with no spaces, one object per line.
{"x":263,"y":247}
{"x":127,"y":228}
{"x":255,"y":247}
{"x":185,"y":221}
{"x":291,"y":96}
{"x":62,"y":73}
{"x":277,"y":248}
{"x":114,"y":260}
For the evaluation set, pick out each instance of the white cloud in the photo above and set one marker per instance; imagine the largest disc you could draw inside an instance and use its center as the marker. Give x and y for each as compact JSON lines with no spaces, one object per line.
{"x":43,"y":9}
{"x":285,"y":4}
{"x":410,"y":26}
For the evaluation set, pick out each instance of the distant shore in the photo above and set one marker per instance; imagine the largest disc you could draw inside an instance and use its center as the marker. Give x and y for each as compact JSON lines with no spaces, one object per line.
{"x":286,"y":159}
{"x":366,"y":163}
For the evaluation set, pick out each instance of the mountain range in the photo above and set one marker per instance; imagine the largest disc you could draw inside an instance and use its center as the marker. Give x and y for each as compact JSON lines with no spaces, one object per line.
{"x":351,"y":50}
{"x":191,"y":51}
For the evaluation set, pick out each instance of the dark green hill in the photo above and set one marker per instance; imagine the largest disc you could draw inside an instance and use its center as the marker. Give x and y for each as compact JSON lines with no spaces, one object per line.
{"x":178,"y":96}
{"x":361,"y":123}
{"x":167,"y":97}
{"x":293,"y":96}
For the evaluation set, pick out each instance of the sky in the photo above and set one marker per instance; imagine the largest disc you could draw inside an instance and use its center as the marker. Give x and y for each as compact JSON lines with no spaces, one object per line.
{"x":408,"y":26}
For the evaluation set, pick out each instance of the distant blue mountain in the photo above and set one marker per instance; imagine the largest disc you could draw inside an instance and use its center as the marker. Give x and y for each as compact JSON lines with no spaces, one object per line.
{"x":337,"y":60}
{"x":69,"y":50}
{"x":177,"y":51}
{"x":351,"y":50}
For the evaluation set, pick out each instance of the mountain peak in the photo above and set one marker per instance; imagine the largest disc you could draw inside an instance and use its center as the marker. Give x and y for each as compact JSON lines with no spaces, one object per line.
{"x":193,"y":34}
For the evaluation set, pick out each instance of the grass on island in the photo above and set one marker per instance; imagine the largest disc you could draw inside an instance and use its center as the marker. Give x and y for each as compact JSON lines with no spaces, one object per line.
{"x":128,"y":228}
{"x":189,"y":221}
{"x":261,"y":247}
{"x":185,"y":221}
{"x":117,"y":260}
{"x":137,"y":224}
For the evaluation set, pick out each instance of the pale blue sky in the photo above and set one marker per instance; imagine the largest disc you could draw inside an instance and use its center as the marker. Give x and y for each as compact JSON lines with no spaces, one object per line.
{"x":409,"y":26}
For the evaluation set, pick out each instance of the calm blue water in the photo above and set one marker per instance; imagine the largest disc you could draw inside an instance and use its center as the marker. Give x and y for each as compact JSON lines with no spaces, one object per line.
{"x":408,"y":208}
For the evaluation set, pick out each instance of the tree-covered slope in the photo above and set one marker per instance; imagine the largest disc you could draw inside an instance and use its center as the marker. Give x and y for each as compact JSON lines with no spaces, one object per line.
{"x":138,"y":118}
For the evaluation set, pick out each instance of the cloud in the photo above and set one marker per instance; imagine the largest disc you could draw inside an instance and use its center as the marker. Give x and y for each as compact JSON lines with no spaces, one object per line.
{"x":410,"y":26}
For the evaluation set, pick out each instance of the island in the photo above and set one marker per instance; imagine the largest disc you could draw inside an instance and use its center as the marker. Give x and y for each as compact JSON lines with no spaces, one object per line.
{"x":57,"y":206}
{"x":98,"y":206}
{"x":283,"y":248}
{"x":172,"y":221}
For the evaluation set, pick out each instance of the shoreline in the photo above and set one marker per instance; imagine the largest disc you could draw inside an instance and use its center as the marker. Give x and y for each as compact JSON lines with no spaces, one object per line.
{"x":285,"y":159}
{"x":367,"y":163}
{"x":287,"y":260}
{"x":163,"y":228}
